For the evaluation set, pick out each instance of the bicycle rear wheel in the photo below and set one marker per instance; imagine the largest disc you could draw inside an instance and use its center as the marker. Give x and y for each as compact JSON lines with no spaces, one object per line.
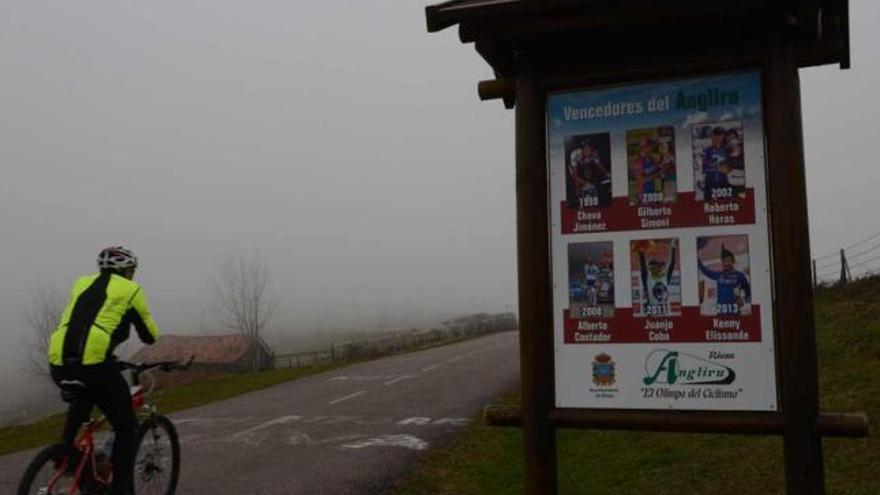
{"x":157,"y":462}
{"x":49,"y":473}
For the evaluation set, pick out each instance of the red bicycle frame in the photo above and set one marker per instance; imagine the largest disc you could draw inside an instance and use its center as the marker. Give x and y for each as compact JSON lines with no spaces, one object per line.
{"x":85,"y":444}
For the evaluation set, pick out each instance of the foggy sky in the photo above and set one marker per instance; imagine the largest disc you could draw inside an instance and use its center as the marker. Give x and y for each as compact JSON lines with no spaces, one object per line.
{"x":337,"y":139}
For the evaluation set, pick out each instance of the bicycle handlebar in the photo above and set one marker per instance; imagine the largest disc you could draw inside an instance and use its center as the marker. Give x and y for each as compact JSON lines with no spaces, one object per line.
{"x":139,"y":368}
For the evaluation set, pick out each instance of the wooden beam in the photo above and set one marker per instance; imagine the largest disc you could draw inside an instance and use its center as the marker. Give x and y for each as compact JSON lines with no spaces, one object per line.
{"x":635,"y":73}
{"x":793,"y":289}
{"x":521,"y":28}
{"x":627,"y":30}
{"x":535,"y":290}
{"x":494,"y":89}
{"x":621,"y":20}
{"x":850,"y":425}
{"x":449,"y":13}
{"x":842,"y":23}
{"x":499,"y":57}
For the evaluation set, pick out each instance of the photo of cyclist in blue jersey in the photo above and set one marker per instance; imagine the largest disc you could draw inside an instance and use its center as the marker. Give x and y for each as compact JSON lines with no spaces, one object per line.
{"x":725,"y":287}
{"x":719,"y":161}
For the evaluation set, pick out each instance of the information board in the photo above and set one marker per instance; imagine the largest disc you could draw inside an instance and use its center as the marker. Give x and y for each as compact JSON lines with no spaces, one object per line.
{"x":659,"y":246}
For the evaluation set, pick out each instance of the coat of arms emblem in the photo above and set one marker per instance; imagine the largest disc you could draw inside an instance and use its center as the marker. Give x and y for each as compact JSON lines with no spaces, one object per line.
{"x":603,"y":370}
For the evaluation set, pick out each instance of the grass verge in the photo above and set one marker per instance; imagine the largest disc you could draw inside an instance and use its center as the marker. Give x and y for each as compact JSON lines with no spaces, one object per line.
{"x":489,"y":460}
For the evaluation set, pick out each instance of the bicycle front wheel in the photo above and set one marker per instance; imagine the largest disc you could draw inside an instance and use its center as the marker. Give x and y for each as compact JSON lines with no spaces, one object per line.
{"x":157,"y":462}
{"x":50,"y":473}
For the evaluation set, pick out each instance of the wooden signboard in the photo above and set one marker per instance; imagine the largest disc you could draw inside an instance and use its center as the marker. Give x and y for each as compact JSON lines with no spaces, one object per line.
{"x":662,"y":234}
{"x":659,"y":246}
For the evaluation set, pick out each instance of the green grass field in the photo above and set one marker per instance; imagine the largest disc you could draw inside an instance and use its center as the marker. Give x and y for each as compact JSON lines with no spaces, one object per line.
{"x":488,"y":460}
{"x":47,"y":430}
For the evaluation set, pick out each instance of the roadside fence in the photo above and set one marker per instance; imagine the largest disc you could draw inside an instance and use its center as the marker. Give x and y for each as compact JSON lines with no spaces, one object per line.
{"x":857,"y":260}
{"x":397,"y":341}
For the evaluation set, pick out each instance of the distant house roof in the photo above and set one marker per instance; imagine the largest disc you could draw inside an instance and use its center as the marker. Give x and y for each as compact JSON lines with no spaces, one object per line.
{"x":207,"y":349}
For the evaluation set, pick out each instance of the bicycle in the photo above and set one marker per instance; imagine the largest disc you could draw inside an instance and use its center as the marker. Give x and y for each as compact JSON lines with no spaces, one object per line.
{"x":83,"y":469}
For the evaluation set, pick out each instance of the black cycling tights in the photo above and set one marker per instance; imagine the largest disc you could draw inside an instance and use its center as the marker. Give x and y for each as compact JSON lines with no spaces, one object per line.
{"x":106,"y":388}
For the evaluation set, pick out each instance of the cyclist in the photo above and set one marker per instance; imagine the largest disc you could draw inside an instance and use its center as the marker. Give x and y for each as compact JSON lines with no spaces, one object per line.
{"x":656,"y":282}
{"x":98,"y":317}
{"x":650,"y":174}
{"x":591,"y":277}
{"x":734,"y":290}
{"x":592,"y":177}
{"x":715,"y":167}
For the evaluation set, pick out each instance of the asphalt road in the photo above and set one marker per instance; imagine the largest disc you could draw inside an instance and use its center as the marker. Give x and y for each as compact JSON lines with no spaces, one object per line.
{"x":349,"y":431}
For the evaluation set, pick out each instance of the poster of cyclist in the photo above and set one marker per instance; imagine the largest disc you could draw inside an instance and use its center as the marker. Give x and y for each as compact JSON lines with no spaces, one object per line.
{"x":724,"y":283}
{"x":588,"y":170}
{"x":650,"y":157}
{"x":656,"y":278}
{"x":719,"y":162}
{"x":686,"y":226}
{"x":591,"y":280}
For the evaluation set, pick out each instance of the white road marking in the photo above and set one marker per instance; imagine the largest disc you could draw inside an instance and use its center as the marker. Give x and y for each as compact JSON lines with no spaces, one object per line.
{"x":315,"y":419}
{"x":417,"y":420}
{"x":452,"y":421}
{"x":398,"y":379}
{"x":405,"y":441}
{"x":429,"y":368}
{"x":277,"y":421}
{"x":346,"y":397}
{"x":456,"y":358}
{"x":360,"y":378}
{"x":298,"y":438}
{"x":303,"y":438}
{"x":211,"y":421}
{"x":254,"y":435}
{"x":373,"y":421}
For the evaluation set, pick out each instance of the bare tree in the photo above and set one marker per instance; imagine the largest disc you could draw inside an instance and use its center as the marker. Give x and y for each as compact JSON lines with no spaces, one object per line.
{"x":245,"y":300}
{"x":42,"y":319}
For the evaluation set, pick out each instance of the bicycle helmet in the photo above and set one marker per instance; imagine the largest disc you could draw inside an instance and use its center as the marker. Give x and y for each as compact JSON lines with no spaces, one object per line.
{"x":116,"y":258}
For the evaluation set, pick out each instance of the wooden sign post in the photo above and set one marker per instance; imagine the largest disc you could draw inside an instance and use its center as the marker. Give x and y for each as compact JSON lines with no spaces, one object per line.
{"x":794,"y":293}
{"x":662,"y":234}
{"x":533,"y":267}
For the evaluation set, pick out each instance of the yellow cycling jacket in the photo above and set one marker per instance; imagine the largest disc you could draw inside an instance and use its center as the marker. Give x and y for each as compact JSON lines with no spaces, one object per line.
{"x":98,"y":317}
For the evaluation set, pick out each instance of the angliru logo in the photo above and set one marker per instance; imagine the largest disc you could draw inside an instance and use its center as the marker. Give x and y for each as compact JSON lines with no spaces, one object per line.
{"x":673,"y":367}
{"x":603,"y":370}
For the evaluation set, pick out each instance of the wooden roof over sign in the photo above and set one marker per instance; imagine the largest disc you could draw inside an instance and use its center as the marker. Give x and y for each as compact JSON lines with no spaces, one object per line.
{"x":603,"y":32}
